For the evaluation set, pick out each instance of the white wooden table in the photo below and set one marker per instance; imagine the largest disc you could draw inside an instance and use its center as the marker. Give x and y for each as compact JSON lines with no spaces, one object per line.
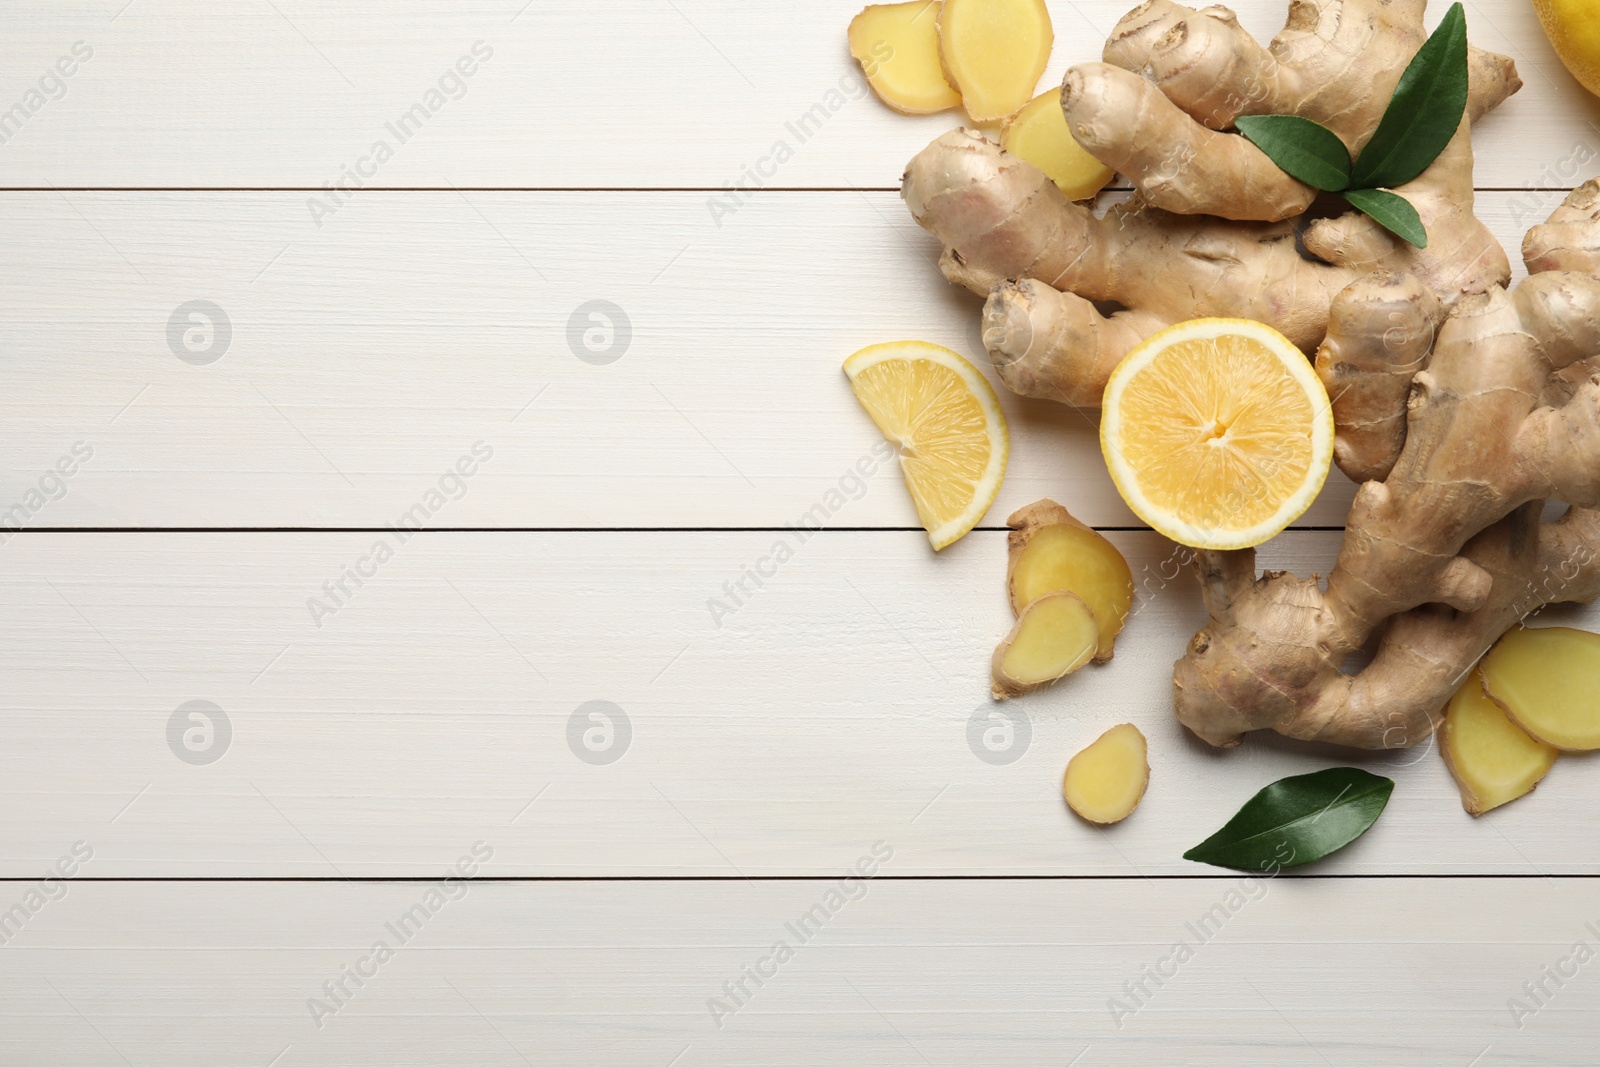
{"x":399,"y":745}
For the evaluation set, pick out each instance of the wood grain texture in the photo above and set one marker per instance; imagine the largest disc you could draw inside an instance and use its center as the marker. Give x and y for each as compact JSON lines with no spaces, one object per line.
{"x":445,"y":703}
{"x":1402,"y":972}
{"x":844,"y":700}
{"x":683,"y":94}
{"x":367,"y":356}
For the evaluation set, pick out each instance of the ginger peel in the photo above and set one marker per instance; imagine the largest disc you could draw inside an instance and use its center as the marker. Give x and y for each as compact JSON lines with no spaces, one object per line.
{"x":1446,"y":552}
{"x":1172,"y":82}
{"x":1461,"y":404}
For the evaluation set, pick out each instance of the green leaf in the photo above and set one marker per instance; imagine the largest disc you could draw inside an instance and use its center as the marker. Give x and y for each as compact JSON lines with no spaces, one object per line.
{"x":1301,"y":148}
{"x":1391,"y":211}
{"x":1295,"y":821}
{"x":1423,"y":114}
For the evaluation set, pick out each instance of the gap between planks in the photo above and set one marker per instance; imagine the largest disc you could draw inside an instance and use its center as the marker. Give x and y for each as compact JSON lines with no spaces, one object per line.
{"x":515,"y":879}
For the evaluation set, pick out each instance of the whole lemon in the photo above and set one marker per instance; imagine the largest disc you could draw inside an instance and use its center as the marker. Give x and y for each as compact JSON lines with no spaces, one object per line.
{"x":1573,"y":27}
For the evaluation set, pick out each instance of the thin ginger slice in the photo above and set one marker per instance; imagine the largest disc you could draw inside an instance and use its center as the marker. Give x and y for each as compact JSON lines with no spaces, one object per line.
{"x":897,"y":46}
{"x":1055,"y":635}
{"x":1548,"y":681}
{"x":1106,"y":781}
{"x":1052,"y":551}
{"x":1039,"y":134}
{"x":1493,"y":760}
{"x":994,"y":51}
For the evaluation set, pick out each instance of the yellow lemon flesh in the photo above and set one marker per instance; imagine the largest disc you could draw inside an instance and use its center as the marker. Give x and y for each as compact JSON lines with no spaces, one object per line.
{"x":1217,"y":432}
{"x":941,"y":414}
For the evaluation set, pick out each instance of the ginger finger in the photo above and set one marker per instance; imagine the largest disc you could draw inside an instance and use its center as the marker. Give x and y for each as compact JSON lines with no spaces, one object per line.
{"x":1569,"y":239}
{"x":1127,"y":124}
{"x":1203,"y":61}
{"x":1057,"y":346}
{"x":1337,"y":63}
{"x":1562,"y":310}
{"x":1380,"y":334}
{"x":998,"y":216}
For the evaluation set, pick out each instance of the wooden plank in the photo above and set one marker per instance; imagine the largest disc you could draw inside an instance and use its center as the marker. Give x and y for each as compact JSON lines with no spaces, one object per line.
{"x":1402,"y":972}
{"x":363,"y":359}
{"x":689,"y":94}
{"x":448,"y":698}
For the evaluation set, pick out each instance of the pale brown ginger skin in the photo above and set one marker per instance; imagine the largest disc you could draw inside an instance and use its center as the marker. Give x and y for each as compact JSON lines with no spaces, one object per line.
{"x":1461,"y":406}
{"x":1380,"y":334}
{"x":1226,"y":242}
{"x":1447,"y":551}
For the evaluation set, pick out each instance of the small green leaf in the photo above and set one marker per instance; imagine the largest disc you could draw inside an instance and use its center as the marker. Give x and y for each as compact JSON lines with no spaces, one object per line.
{"x":1424,"y":112}
{"x":1298,"y":820}
{"x":1391,"y":211}
{"x":1301,"y":148}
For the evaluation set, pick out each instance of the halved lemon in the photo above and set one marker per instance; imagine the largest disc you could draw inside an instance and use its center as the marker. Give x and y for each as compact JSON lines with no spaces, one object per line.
{"x":940,"y":413}
{"x":1218,"y":433}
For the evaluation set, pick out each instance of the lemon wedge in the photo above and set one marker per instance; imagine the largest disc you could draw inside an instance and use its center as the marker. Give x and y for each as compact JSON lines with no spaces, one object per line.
{"x":939,"y":411}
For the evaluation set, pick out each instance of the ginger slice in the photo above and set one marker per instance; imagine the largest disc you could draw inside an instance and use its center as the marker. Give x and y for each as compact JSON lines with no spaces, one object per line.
{"x":1052,"y":551}
{"x":1106,"y":781}
{"x":1548,"y":681}
{"x":1055,"y":635}
{"x":897,"y":46}
{"x":1493,"y":760}
{"x":994,"y":51}
{"x":1039,"y":134}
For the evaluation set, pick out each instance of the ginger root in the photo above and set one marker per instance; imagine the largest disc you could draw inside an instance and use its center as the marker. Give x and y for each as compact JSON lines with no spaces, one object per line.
{"x":994,"y":51}
{"x":1446,"y":552}
{"x":1462,"y":405}
{"x":1106,"y":781}
{"x":1215,"y":228}
{"x":1039,"y":135}
{"x":1548,"y":681}
{"x":897,"y":46}
{"x":1054,"y":636}
{"x":1492,"y":759}
{"x":1050,"y":551}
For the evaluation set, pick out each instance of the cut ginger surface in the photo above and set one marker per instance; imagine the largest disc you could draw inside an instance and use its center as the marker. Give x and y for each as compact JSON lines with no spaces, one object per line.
{"x":1493,"y":760}
{"x":897,"y":46}
{"x":1052,"y":551}
{"x":994,"y":51}
{"x":1055,"y":635}
{"x":1106,"y":781}
{"x":1548,"y":680}
{"x":1039,"y":134}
